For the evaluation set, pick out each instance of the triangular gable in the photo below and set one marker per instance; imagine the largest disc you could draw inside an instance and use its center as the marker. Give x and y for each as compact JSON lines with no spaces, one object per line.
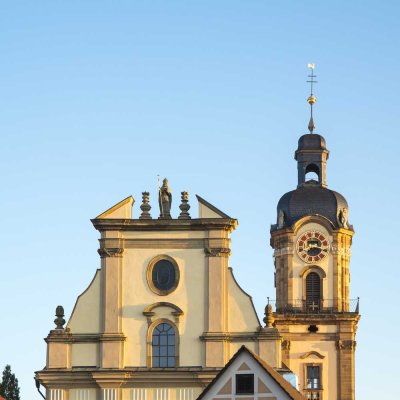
{"x":244,"y":367}
{"x":267,"y":382}
{"x":121,"y":210}
{"x":207,"y":210}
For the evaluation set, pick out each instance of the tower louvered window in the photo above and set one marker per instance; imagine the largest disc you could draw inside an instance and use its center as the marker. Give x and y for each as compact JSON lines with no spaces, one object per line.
{"x":313,"y":291}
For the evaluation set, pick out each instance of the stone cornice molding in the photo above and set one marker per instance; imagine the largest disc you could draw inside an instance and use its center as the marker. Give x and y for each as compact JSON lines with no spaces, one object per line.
{"x":319,"y":319}
{"x":91,"y":377}
{"x":198,"y":224}
{"x":266,"y":334}
{"x":230,"y":336}
{"x":112,"y":337}
{"x":58,"y":335}
{"x":217,"y":252}
{"x":68,"y":337}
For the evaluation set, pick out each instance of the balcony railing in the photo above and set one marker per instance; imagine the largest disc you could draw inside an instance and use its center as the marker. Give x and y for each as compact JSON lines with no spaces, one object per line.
{"x":324,"y":306}
{"x":313,"y":394}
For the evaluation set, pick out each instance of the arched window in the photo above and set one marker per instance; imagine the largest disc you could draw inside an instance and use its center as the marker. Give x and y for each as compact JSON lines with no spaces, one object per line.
{"x":313,"y":291}
{"x":163,"y":348}
{"x":312,"y":172}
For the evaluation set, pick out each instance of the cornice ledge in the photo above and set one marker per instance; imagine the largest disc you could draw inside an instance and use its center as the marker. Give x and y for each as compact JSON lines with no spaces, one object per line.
{"x":268,"y":334}
{"x":112,"y":337}
{"x":110,"y":377}
{"x":321,"y":319}
{"x":58,"y":335}
{"x":202,"y":224}
{"x":229,"y":336}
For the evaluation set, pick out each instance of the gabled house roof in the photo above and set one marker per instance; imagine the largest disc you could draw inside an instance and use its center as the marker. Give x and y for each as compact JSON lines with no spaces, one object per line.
{"x":291,"y":392}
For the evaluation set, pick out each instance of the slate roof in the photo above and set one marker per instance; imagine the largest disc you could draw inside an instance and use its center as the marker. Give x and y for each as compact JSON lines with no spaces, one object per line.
{"x":311,"y":199}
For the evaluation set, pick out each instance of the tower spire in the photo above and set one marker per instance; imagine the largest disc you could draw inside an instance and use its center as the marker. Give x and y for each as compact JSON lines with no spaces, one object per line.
{"x":311,"y":99}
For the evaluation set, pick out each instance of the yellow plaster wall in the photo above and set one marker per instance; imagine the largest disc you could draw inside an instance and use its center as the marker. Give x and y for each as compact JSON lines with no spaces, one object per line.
{"x":85,"y":317}
{"x":84,"y":354}
{"x":189,"y":296}
{"x":235,"y":346}
{"x":329,"y":363}
{"x":241,"y":313}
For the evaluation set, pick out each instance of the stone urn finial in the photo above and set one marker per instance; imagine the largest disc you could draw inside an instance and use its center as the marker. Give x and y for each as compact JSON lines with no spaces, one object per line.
{"x":59,"y":321}
{"x":269,"y":317}
{"x":145,"y":207}
{"x":184,"y":206}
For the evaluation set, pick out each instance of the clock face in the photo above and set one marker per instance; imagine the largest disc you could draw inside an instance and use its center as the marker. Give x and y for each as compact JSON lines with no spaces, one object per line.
{"x":312,"y":246}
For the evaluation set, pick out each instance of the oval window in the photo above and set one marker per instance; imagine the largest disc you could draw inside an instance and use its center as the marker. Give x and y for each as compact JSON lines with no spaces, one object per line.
{"x":163,"y":275}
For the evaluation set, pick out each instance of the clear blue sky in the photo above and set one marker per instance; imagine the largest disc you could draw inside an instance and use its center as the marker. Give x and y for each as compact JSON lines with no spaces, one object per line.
{"x":98,"y":97}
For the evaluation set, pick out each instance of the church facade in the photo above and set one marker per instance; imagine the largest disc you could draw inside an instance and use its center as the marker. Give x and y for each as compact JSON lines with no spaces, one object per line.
{"x":164,"y":315}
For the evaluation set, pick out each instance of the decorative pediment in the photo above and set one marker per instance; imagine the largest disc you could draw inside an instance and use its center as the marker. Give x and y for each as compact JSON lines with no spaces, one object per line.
{"x":149,"y":311}
{"x":312,"y":353}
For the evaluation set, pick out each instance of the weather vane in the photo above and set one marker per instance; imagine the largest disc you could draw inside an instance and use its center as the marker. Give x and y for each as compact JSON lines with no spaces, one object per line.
{"x":311,"y":99}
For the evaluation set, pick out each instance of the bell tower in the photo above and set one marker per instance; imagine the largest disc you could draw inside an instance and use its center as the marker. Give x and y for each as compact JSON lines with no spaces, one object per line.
{"x":311,"y":242}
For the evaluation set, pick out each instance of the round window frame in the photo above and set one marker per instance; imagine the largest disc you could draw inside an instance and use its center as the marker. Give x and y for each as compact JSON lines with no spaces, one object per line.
{"x":149,"y":275}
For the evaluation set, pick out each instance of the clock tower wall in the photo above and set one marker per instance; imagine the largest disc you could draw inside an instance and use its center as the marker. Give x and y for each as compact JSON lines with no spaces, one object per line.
{"x":317,"y":353}
{"x":311,"y":241}
{"x":323,"y":267}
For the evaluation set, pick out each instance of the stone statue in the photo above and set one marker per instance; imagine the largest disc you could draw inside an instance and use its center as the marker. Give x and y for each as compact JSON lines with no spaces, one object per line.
{"x":281,"y":219}
{"x":343,"y":217}
{"x":165,"y":200}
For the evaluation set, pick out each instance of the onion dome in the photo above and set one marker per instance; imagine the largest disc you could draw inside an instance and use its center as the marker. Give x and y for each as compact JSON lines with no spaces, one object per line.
{"x":312,"y":199}
{"x":311,"y":142}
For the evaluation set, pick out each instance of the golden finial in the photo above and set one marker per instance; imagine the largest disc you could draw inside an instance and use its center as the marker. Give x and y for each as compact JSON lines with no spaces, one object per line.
{"x":311,"y":99}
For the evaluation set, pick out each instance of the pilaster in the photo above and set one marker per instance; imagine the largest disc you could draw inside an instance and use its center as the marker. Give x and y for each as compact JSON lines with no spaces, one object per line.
{"x":111,"y":342}
{"x":217,"y":319}
{"x":346,"y":370}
